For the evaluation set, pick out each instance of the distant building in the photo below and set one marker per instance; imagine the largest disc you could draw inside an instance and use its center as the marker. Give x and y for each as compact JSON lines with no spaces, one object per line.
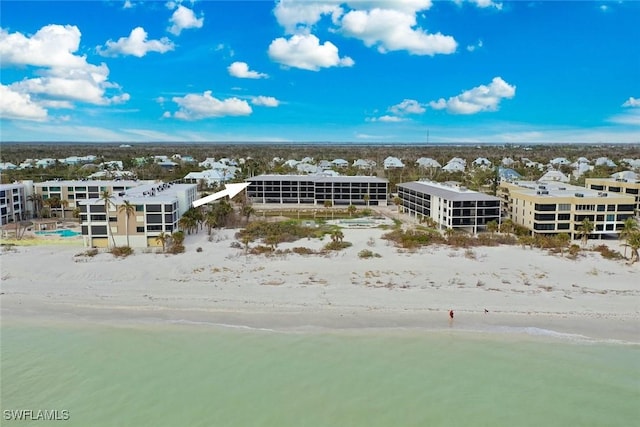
{"x":618,"y":185}
{"x":70,"y":193}
{"x":450,"y":205}
{"x":314,"y":189}
{"x":393,"y":163}
{"x":555,"y":207}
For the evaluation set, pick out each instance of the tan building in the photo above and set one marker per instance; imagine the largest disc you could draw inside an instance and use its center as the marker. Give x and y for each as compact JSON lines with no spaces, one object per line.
{"x":70,"y":193}
{"x":157,"y":208}
{"x":617,"y":185}
{"x":552,"y":208}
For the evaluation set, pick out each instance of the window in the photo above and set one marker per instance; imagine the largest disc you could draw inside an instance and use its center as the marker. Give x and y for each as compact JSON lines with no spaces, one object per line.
{"x":564,"y":217}
{"x":154,"y":208}
{"x":546,"y":207}
{"x":601,"y":208}
{"x":611,"y":217}
{"x":154,"y":219}
{"x":544,"y":227}
{"x":99,"y":230}
{"x":585,"y":207}
{"x":139,"y":208}
{"x":139,"y":229}
{"x":564,"y":207}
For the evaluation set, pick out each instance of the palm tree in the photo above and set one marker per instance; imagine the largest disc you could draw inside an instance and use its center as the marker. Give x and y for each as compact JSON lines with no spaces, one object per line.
{"x":247,"y":211}
{"x":633,"y":241}
{"x":187,"y":223}
{"x":351,"y":210}
{"x":562,"y":241}
{"x":630,"y":226}
{"x":64,"y":204}
{"x":398,"y":202}
{"x":585,"y":228}
{"x":37,"y":203}
{"x":507,"y":226}
{"x":163,"y":239}
{"x":366,"y":198}
{"x":128,"y":210}
{"x":492,"y":226}
{"x":107,"y":198}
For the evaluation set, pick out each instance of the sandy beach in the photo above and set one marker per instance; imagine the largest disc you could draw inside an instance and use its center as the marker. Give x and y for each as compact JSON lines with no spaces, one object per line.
{"x":523,"y":290}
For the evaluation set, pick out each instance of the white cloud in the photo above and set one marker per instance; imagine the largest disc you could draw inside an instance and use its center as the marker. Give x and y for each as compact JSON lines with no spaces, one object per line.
{"x":388,"y":119}
{"x":136,"y":44}
{"x":483,"y":4}
{"x":241,"y":70}
{"x":51,"y":46}
{"x":632,"y":102}
{"x":16,"y":105}
{"x":487,"y":3}
{"x":194,"y":106}
{"x":183,"y":18}
{"x":407,"y":106}
{"x":478,"y":99}
{"x":85,"y":85}
{"x":392,"y":30}
{"x":294,"y":15}
{"x":473,"y":47}
{"x":629,"y":117}
{"x":128,"y":4}
{"x":265,"y":101}
{"x":62,"y":76}
{"x":305,"y":51}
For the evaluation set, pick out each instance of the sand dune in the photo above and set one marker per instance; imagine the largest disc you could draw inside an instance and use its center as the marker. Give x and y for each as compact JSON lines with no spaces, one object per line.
{"x":519,"y":287}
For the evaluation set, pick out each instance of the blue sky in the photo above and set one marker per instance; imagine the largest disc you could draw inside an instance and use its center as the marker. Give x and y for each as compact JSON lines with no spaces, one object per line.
{"x":366,"y":71}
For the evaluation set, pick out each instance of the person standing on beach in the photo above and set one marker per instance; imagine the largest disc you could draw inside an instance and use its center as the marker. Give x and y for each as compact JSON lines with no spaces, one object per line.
{"x":451,"y":314}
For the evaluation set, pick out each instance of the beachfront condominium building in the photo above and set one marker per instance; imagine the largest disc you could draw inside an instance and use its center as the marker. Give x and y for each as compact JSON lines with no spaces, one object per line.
{"x":157,"y":208}
{"x":64,"y":196}
{"x":318,"y":189}
{"x":555,"y":207}
{"x":630,"y":187}
{"x":13,"y":202}
{"x":449,"y":205}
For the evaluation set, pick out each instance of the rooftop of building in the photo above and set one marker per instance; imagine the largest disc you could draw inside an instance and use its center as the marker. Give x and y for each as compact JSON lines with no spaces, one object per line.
{"x":317,"y":178}
{"x":93,"y":183}
{"x":447,"y":190}
{"x":560,"y":190}
{"x":148,"y":193}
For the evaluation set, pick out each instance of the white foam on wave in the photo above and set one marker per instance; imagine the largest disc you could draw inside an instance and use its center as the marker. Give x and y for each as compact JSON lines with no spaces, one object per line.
{"x":220,"y":325}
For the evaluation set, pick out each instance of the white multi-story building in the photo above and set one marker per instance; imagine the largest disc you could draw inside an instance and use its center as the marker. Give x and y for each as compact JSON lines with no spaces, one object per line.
{"x":450,"y":205}
{"x":157,"y":209}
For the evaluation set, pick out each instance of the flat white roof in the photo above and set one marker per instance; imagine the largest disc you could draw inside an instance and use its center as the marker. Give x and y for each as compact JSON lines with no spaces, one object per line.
{"x":447,"y":191}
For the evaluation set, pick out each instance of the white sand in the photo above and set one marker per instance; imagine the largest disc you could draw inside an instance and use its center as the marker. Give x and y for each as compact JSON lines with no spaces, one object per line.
{"x":521,"y":288}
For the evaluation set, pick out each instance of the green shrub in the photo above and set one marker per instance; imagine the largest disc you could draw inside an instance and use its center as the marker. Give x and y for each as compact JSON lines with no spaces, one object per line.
{"x":336,"y":246}
{"x":121,"y":251}
{"x":176,"y":248}
{"x":608,"y":253}
{"x":366,"y":253}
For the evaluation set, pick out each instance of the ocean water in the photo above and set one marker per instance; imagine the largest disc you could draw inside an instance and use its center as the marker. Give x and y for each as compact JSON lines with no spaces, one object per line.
{"x":204,"y":375}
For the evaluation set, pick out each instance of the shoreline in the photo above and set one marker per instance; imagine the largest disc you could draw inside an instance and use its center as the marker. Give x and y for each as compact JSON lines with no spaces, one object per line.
{"x":525,"y":291}
{"x":512,"y":325}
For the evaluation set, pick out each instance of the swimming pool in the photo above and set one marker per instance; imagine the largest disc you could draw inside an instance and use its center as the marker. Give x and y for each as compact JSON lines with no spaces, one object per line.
{"x":61,"y":233}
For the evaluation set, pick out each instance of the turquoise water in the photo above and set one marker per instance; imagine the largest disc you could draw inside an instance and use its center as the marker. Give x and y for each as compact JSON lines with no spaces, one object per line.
{"x":61,"y":233}
{"x":186,"y":375}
